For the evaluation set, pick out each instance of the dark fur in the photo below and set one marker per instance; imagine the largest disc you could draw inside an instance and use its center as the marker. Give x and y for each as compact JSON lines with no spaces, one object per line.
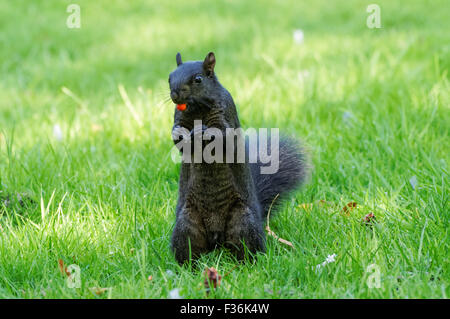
{"x":219,"y":203}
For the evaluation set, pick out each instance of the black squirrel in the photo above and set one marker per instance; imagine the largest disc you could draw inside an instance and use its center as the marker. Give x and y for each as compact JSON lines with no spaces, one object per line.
{"x":222,"y":204}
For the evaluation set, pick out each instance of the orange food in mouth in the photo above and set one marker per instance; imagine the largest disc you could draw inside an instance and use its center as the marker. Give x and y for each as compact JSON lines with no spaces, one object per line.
{"x":181,"y":107}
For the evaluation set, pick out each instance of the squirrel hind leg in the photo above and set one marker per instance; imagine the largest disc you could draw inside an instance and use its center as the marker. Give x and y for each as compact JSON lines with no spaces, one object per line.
{"x":244,"y":233}
{"x":188,"y":241}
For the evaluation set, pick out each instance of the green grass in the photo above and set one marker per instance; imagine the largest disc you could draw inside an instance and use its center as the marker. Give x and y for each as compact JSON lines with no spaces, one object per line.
{"x":373,"y":109}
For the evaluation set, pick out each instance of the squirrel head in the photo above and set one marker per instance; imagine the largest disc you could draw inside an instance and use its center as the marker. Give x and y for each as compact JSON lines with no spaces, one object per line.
{"x":193,"y":82}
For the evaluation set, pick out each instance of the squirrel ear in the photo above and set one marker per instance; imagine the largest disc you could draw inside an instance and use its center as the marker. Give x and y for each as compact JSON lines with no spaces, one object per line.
{"x":209,"y":63}
{"x":179,"y":59}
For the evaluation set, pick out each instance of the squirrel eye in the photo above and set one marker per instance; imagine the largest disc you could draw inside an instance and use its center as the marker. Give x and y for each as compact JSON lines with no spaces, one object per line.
{"x":198,"y":79}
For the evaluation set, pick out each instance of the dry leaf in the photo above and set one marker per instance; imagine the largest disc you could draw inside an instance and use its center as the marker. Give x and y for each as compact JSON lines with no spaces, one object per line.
{"x":98,"y":291}
{"x":322,"y":203}
{"x":212,"y":277}
{"x":306,"y":206}
{"x":348,"y":208}
{"x":369,"y":219}
{"x":63,"y":268}
{"x":150,"y":278}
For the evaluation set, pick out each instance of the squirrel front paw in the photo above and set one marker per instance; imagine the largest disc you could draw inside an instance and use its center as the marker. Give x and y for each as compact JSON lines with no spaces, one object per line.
{"x":204,"y":132}
{"x":183,"y":138}
{"x":179,"y":132}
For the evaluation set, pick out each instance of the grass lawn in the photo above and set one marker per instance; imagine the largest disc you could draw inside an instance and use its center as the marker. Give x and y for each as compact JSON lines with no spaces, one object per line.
{"x":85,"y":141}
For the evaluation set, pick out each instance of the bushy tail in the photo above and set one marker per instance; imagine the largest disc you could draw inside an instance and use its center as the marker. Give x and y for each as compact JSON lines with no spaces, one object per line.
{"x":292,"y":173}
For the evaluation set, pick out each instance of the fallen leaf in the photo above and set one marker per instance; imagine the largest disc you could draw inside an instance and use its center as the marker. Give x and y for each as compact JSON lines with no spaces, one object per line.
{"x":348,"y":208}
{"x":321,"y":203}
{"x":212,"y":277}
{"x":98,"y":291}
{"x":63,"y":268}
{"x":369,"y":219}
{"x":306,"y":206}
{"x":150,"y":278}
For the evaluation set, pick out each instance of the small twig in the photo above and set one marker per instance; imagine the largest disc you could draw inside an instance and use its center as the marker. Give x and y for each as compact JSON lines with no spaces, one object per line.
{"x":270,"y":232}
{"x":270,"y":208}
{"x":229,"y":271}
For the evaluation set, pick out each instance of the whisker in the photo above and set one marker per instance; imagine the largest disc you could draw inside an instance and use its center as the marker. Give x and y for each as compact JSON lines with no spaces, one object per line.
{"x":165,"y":102}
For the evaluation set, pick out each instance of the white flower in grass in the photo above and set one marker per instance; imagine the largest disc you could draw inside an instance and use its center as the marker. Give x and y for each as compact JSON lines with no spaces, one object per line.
{"x":329,"y":259}
{"x":298,"y":36}
{"x":57,"y":132}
